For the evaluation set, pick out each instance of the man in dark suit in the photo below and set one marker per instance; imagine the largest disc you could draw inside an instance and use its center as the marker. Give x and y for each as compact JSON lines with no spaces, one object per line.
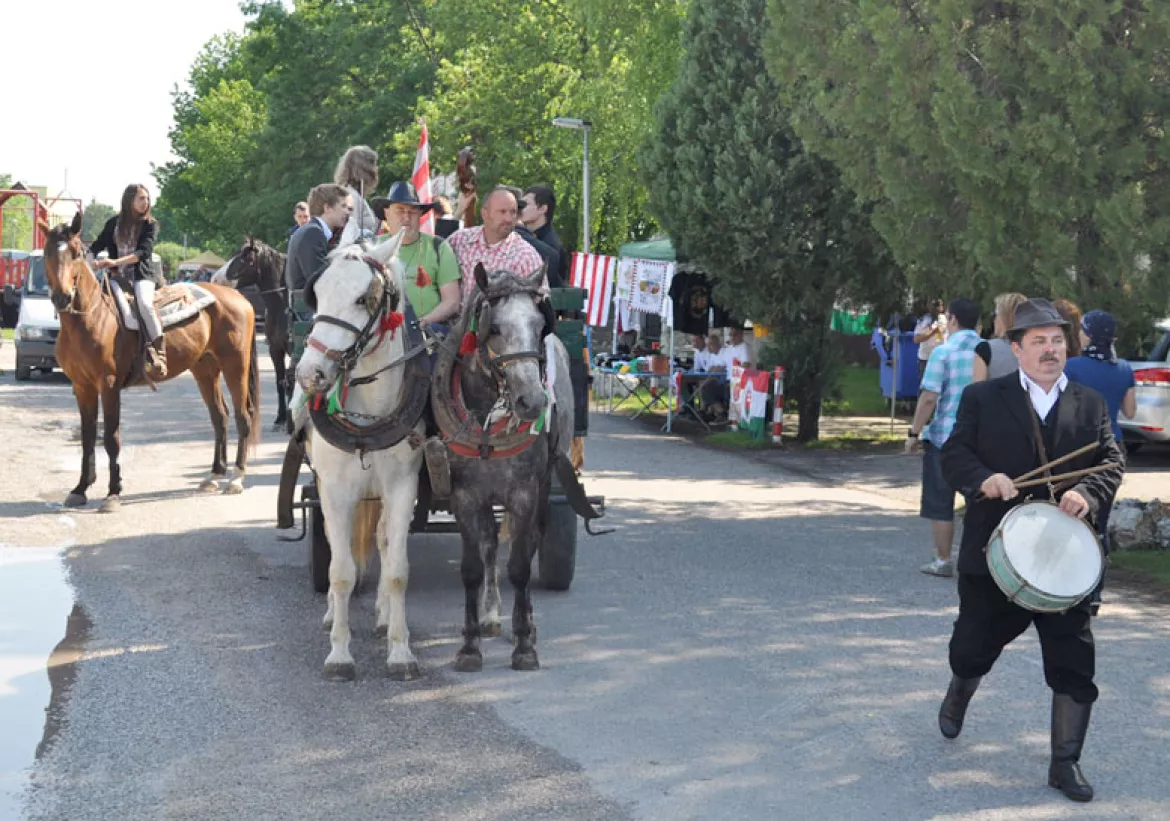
{"x":536,"y":212}
{"x":329,"y":208}
{"x":1007,"y":427}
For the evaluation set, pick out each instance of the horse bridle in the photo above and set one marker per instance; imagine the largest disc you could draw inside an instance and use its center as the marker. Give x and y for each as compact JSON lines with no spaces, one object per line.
{"x":347,"y":358}
{"x":499,"y":363}
{"x":72,"y":294}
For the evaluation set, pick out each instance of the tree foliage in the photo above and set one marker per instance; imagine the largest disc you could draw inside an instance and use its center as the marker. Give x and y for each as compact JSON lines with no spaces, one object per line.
{"x":1006,"y":145}
{"x":94,"y":218}
{"x":781,"y":235}
{"x":266,"y":115}
{"x":17,"y":216}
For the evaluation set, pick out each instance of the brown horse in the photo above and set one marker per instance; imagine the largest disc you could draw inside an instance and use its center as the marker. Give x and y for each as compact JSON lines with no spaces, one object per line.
{"x":97,"y":353}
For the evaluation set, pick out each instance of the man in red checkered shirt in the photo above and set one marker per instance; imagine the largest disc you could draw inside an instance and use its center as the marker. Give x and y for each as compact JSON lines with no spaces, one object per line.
{"x":495,"y":243}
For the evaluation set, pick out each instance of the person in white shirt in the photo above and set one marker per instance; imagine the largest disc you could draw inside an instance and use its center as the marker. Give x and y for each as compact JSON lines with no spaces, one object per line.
{"x":701,"y":355}
{"x":737,"y":351}
{"x":929,"y":333}
{"x":715,"y":392}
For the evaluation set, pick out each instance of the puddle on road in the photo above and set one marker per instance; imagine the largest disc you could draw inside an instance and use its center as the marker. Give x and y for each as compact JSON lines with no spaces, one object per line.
{"x":36,"y":663}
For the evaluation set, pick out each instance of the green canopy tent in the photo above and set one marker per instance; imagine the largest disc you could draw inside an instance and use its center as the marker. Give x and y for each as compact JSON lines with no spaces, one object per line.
{"x":659,"y":250}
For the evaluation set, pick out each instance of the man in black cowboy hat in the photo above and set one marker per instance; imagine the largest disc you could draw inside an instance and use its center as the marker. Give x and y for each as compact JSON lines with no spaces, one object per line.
{"x":1007,"y":427}
{"x":432,"y":273}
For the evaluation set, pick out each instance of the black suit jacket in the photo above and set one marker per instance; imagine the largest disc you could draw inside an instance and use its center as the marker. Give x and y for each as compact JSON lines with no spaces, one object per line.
{"x":307,"y":253}
{"x":144,"y":248}
{"x":994,"y":434}
{"x":550,"y":255}
{"x":548,"y":236}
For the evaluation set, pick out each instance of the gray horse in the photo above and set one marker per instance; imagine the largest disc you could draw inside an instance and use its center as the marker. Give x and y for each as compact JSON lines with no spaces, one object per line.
{"x":492,"y":404}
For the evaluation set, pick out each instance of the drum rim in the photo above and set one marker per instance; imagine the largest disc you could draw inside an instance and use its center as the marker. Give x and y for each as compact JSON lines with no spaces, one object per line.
{"x":997,"y":534}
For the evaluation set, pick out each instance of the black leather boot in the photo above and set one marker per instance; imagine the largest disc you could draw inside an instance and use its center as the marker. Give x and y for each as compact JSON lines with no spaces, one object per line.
{"x":954,"y":706}
{"x":156,"y":359}
{"x":1070,"y":722}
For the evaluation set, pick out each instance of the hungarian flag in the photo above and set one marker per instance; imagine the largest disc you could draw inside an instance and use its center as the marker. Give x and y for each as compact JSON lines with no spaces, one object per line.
{"x":421,"y":178}
{"x":749,"y":400}
{"x":594,"y":273}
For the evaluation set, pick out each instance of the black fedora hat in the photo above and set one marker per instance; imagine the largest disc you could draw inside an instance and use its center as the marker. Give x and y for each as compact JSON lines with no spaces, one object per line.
{"x":401,"y":192}
{"x":1037,"y":313}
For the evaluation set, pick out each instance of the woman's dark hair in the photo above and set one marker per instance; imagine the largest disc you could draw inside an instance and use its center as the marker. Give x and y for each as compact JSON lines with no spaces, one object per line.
{"x":128,"y":221}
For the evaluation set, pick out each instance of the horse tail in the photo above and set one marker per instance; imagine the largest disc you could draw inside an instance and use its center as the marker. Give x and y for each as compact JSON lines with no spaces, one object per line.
{"x":365,"y":529}
{"x":252,"y":402}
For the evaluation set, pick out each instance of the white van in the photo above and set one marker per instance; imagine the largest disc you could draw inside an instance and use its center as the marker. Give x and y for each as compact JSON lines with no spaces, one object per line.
{"x":37,"y":326}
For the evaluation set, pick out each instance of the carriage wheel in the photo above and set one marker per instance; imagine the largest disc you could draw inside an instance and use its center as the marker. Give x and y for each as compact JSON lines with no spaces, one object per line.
{"x":319,"y":552}
{"x":558,"y":554}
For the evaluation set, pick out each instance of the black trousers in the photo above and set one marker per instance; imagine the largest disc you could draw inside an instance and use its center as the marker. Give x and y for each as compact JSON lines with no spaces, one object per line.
{"x":988,"y":622}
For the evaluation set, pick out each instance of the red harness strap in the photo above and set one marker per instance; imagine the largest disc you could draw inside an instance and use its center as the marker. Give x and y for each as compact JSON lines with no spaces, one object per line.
{"x":475,"y":430}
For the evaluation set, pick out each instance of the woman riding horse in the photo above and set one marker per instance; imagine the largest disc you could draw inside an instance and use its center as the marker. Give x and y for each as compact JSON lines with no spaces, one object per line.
{"x":129,"y":239}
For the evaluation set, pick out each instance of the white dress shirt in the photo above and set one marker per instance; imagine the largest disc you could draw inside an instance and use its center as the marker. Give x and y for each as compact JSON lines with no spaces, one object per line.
{"x":701,"y":358}
{"x":1043,"y":400}
{"x":739,"y":352}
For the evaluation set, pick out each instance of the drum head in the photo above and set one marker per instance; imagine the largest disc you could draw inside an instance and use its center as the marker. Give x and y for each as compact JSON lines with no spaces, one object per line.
{"x":1056,"y":553}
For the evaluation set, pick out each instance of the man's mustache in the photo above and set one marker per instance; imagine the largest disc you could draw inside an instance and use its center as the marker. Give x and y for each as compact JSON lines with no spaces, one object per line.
{"x":1048,"y":357}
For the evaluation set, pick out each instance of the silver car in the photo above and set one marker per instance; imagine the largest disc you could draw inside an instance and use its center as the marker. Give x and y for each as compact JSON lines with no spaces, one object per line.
{"x":1151,"y":423}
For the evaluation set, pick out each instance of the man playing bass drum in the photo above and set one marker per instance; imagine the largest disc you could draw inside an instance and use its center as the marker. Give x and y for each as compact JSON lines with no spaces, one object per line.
{"x":995,"y":438}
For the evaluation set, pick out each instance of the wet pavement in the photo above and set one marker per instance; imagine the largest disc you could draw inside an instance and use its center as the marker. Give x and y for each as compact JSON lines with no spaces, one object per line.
{"x":35,"y":606}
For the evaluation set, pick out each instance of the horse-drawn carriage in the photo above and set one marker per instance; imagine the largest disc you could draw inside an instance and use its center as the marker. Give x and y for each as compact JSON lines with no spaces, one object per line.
{"x":556,"y":555}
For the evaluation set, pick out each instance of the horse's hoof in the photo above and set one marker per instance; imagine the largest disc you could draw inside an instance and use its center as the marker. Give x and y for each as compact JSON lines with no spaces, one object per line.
{"x":468,"y":662}
{"x":525,"y":661}
{"x":403,"y":671}
{"x":75,"y":500}
{"x":234,"y":487}
{"x":340,"y":671}
{"x":112,"y":504}
{"x":209,"y":486}
{"x":490,"y":630}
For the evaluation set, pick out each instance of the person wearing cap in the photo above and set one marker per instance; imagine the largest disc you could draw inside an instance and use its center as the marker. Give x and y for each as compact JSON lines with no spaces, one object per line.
{"x":1099,"y":368}
{"x":432,"y":273}
{"x":1007,"y":427}
{"x":950,"y":369}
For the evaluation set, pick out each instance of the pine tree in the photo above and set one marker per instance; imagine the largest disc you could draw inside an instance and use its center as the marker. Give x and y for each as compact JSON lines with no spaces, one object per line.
{"x":783,"y":239}
{"x":1007,"y":146}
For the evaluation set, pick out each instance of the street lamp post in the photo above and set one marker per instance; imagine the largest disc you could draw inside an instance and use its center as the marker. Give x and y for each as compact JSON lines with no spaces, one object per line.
{"x":583,"y":126}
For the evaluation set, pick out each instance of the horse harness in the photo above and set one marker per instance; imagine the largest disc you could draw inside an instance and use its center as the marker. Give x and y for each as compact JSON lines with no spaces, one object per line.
{"x":463,"y":434}
{"x":335,"y":424}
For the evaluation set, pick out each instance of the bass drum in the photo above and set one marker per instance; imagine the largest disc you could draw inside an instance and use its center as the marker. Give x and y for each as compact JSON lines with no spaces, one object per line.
{"x":1043,"y":559}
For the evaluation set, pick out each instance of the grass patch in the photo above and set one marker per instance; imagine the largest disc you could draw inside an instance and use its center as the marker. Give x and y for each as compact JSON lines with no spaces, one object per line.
{"x":857,"y":441}
{"x":858,"y":393}
{"x":737,"y":440}
{"x":1152,"y":564}
{"x":6,"y":333}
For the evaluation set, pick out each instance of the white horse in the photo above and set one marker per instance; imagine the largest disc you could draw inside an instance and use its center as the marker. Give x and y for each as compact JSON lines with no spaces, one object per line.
{"x":356,"y":296}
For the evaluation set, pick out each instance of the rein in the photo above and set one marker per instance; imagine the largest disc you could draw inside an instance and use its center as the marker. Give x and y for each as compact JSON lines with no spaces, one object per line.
{"x":463,"y":434}
{"x":335,"y":423}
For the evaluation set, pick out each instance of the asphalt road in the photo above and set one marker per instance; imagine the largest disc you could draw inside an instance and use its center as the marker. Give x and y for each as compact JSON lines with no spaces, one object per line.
{"x":750,"y":644}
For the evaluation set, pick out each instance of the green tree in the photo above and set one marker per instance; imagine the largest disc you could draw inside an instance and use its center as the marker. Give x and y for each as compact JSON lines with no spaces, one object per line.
{"x":18,"y":220}
{"x":266,"y":115}
{"x":782,"y":237}
{"x":172,"y":255}
{"x":505,"y":72}
{"x":94,"y":218}
{"x":1006,"y":145}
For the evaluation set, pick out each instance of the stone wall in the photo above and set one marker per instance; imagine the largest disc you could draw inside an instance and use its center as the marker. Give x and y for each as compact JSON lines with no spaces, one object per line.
{"x":1137,"y":525}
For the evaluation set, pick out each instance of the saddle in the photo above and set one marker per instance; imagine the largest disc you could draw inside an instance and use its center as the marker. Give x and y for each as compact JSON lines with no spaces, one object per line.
{"x":174,"y":303}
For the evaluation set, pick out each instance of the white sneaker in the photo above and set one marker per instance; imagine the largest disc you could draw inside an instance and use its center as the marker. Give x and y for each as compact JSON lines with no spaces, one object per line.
{"x":938,"y":567}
